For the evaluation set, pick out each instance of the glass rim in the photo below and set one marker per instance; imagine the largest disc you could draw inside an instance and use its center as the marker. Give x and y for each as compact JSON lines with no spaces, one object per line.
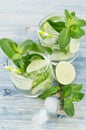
{"x":44,"y":19}
{"x":48,"y":16}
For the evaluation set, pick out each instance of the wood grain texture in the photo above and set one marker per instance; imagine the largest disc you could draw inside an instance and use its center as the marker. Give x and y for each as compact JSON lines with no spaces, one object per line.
{"x":19,"y":20}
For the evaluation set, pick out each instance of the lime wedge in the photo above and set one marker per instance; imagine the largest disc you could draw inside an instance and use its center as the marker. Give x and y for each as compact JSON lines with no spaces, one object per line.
{"x":74,"y":45}
{"x":37,"y":65}
{"x":48,"y":29}
{"x":48,"y":35}
{"x":65,"y":72}
{"x":47,"y":32}
{"x":42,"y":86}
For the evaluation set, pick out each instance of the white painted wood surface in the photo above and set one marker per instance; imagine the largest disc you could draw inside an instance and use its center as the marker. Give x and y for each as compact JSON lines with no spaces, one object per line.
{"x":19,"y":20}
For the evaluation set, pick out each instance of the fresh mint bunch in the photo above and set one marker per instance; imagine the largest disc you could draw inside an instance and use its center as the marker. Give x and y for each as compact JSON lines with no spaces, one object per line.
{"x":69,"y":94}
{"x":19,"y":54}
{"x":71,"y":27}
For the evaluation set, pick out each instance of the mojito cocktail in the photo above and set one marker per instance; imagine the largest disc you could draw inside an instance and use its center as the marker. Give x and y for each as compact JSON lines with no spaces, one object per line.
{"x":62,"y":35}
{"x":30,"y":70}
{"x":36,"y":79}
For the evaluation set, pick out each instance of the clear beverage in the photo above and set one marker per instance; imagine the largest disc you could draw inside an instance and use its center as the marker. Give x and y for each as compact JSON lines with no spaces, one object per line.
{"x":48,"y":38}
{"x":38,"y":78}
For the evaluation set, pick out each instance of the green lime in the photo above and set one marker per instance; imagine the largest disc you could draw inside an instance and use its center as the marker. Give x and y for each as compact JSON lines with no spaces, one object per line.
{"x":37,"y":65}
{"x":65,"y":72}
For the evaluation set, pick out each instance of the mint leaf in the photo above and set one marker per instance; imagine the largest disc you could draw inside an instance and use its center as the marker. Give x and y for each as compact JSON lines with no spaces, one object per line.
{"x":67,"y":15}
{"x":76,"y":32}
{"x":50,"y":91}
{"x":68,"y":107}
{"x":29,"y":45}
{"x":73,"y":14}
{"x":70,"y":18}
{"x":77,"y":96}
{"x":16,"y":56}
{"x":80,"y":22}
{"x":76,"y":87}
{"x":64,"y":38}
{"x":34,"y":56}
{"x":48,"y":50}
{"x":9,"y":47}
{"x":57,"y":26}
{"x":66,"y":91}
{"x":21,"y":64}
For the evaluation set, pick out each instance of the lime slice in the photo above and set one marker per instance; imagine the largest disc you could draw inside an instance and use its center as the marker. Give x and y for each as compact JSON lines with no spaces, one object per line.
{"x":37,"y":65}
{"x":48,"y":35}
{"x":65,"y":72}
{"x":48,"y":29}
{"x":45,"y":84}
{"x":74,"y":45}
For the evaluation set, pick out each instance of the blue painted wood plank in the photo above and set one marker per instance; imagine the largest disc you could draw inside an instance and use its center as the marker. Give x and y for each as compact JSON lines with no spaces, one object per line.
{"x":28,"y":6}
{"x":26,"y":20}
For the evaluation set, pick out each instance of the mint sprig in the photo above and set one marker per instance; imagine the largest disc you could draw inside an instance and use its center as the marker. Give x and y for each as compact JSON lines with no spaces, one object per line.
{"x":69,"y":93}
{"x":19,"y":53}
{"x":71,"y":27}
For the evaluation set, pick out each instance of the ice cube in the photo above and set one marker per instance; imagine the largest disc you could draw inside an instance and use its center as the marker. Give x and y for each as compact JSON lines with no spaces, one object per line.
{"x":51,"y":105}
{"x":40,"y":117}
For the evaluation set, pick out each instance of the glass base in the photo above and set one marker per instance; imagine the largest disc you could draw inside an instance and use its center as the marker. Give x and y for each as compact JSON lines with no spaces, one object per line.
{"x":26,"y":93}
{"x":69,"y":59}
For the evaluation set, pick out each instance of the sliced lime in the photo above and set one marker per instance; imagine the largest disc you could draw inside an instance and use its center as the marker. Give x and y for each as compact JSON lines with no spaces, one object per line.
{"x":48,"y":29}
{"x":47,"y":33}
{"x":37,"y":65}
{"x":45,"y":84}
{"x":40,"y":77}
{"x":65,"y":72}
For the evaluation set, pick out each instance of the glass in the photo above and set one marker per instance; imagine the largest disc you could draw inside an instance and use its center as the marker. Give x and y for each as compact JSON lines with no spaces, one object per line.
{"x":35,"y":83}
{"x":48,"y":38}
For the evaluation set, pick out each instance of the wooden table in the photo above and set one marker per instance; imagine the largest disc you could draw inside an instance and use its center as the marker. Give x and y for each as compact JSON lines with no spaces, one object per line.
{"x":18,"y":21}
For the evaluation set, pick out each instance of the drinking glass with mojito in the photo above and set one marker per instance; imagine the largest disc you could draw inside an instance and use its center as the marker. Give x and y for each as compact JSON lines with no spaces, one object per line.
{"x":29,"y":69}
{"x":62,"y":35}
